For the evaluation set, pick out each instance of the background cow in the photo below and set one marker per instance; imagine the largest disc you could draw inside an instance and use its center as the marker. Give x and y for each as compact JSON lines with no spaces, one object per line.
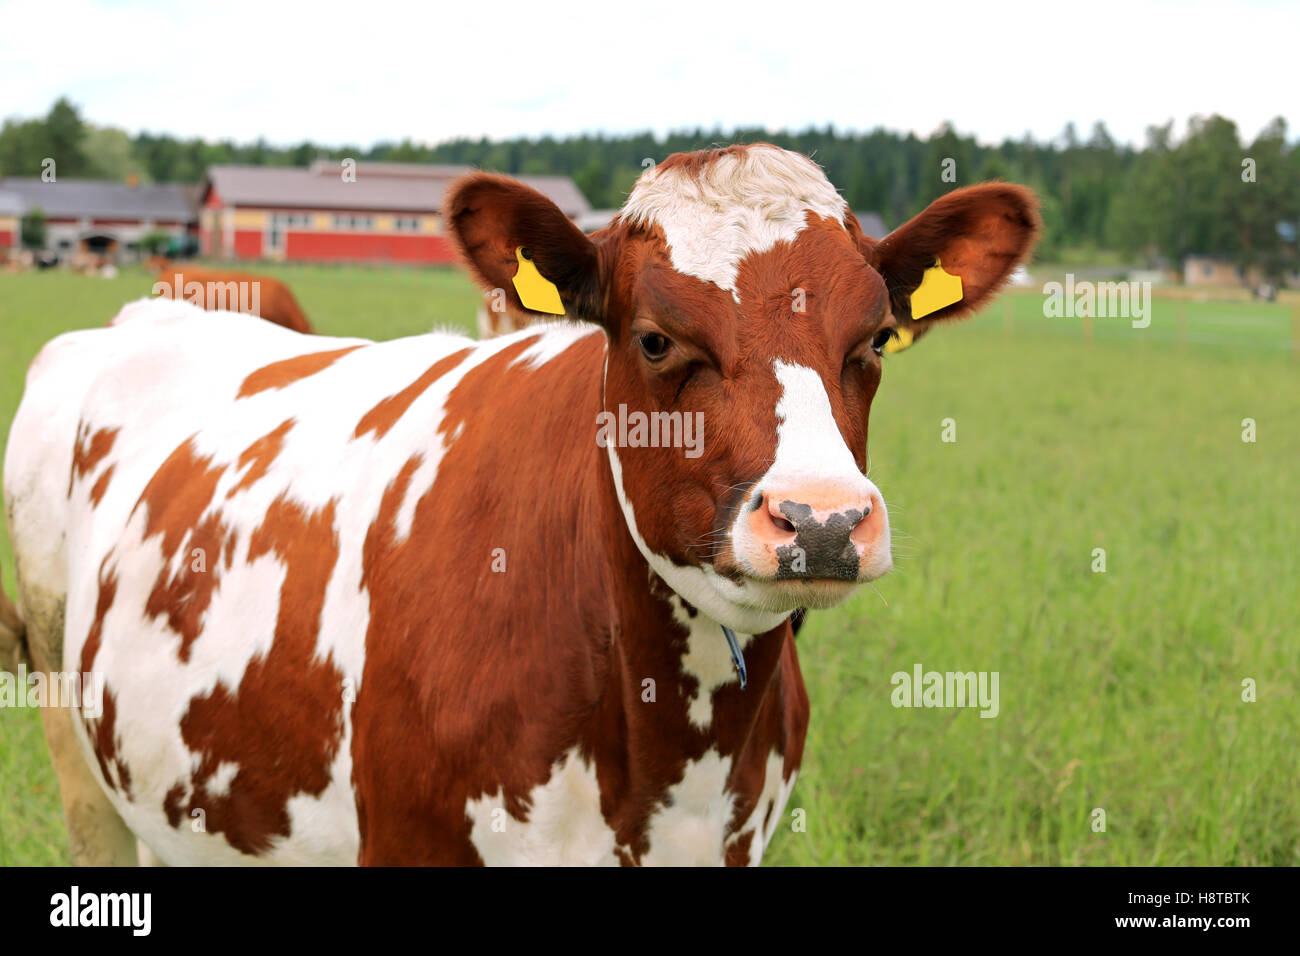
{"x":400,"y":603}
{"x":222,"y":288}
{"x":496,"y":316}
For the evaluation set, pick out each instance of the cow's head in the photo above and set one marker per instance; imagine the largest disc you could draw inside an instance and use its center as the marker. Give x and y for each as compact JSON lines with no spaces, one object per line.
{"x":736,"y":284}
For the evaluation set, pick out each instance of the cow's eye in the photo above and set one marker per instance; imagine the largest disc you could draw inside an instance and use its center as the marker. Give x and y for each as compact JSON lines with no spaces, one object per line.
{"x":882,"y":339}
{"x":654,"y":347}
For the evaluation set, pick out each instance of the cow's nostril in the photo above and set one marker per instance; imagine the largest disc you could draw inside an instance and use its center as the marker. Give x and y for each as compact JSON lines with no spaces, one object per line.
{"x":773,"y":519}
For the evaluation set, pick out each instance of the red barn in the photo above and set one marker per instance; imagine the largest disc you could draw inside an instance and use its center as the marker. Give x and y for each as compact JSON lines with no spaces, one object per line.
{"x":329,"y":212}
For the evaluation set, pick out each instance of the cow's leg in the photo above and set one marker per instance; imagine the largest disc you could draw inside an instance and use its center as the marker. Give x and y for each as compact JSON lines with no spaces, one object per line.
{"x":13,"y":642}
{"x":96,"y":834}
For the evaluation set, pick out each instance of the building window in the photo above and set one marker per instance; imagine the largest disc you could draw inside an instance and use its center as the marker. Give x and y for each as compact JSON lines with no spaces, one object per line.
{"x":407,"y":223}
{"x":354,"y":222}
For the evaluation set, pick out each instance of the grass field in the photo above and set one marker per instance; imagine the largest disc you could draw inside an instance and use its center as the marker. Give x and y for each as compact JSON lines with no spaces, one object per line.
{"x":1119,"y":690}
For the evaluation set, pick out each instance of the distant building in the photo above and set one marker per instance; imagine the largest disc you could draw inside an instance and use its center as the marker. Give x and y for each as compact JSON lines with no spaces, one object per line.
{"x":96,"y":215}
{"x":872,"y":224}
{"x":12,"y":209}
{"x":390,"y":212}
{"x":1209,"y":270}
{"x":1213,"y":270}
{"x":596,"y":219}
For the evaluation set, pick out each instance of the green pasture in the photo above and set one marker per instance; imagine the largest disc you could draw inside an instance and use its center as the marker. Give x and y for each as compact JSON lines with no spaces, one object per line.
{"x":1119,"y":691}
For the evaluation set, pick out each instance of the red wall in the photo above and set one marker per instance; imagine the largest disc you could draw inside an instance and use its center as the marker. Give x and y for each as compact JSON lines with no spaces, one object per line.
{"x":6,"y":238}
{"x":311,"y":246}
{"x":362,"y":247}
{"x":248,"y":243}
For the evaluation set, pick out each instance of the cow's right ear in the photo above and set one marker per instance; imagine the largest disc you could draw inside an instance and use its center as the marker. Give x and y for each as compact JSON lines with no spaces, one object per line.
{"x":505,"y":229}
{"x":977,"y":234}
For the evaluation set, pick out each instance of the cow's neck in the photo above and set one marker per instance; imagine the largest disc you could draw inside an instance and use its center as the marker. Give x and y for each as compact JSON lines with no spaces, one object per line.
{"x":638,"y":627}
{"x":666,"y":677}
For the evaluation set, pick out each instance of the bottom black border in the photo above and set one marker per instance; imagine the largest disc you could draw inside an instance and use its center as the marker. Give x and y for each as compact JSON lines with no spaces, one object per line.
{"x":923,"y":905}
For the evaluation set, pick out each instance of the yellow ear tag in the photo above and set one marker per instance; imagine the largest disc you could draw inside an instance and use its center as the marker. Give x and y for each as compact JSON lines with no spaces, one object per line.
{"x":900,"y":340}
{"x":536,"y":292}
{"x":937,"y":290}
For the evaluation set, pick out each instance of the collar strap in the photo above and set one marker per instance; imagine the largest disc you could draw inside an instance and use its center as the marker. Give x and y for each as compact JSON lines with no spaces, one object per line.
{"x":737,"y":658}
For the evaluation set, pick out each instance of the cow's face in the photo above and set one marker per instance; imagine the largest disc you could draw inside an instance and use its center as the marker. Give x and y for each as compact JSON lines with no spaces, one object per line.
{"x":746,"y":316}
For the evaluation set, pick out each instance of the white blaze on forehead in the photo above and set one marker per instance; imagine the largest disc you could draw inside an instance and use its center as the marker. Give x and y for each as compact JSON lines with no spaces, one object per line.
{"x":809,"y":444}
{"x":811,"y":453}
{"x":741,"y":203}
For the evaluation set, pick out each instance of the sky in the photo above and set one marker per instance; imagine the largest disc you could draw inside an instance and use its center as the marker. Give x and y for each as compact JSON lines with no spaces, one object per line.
{"x":368,"y":70}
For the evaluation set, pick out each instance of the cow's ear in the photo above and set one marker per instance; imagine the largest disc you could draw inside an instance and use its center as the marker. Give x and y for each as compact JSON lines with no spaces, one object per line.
{"x":514,"y":239}
{"x":978,"y":234}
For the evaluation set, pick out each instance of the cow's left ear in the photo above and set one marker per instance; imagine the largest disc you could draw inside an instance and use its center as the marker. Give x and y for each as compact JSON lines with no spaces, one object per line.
{"x":978,"y":234}
{"x":515,"y":239}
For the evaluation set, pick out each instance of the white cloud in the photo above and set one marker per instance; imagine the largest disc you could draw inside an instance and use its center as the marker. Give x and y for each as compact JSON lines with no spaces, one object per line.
{"x":360,"y":72}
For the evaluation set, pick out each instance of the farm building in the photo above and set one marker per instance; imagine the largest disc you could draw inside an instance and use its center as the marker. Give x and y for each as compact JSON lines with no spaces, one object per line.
{"x":329,"y":212}
{"x":872,"y":225}
{"x":1218,"y":271}
{"x":11,"y":214}
{"x":96,"y":215}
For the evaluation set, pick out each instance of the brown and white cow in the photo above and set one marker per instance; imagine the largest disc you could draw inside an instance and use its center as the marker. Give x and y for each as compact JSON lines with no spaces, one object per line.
{"x":218,"y":289}
{"x":438,"y":601}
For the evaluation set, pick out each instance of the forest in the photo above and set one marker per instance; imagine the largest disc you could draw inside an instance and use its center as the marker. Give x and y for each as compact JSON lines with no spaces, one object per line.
{"x":1207,"y":190}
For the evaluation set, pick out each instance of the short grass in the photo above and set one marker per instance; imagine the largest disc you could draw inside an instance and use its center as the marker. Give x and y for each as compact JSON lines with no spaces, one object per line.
{"x":1119,"y":691}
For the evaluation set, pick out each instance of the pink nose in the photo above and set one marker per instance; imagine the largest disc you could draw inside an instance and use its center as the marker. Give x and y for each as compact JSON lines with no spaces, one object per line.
{"x":819,"y":531}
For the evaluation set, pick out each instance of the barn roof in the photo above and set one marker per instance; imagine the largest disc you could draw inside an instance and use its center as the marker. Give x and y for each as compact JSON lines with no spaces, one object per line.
{"x":11,"y":204}
{"x":100,"y":199}
{"x":395,"y":187}
{"x":331,"y":167}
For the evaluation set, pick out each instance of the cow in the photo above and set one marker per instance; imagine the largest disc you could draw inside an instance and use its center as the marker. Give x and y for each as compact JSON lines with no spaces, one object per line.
{"x":219,"y":289}
{"x":438,"y":601}
{"x":497,"y":317}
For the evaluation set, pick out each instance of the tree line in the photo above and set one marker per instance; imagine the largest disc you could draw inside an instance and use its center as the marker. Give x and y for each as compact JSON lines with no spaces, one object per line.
{"x":1208,"y":191}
